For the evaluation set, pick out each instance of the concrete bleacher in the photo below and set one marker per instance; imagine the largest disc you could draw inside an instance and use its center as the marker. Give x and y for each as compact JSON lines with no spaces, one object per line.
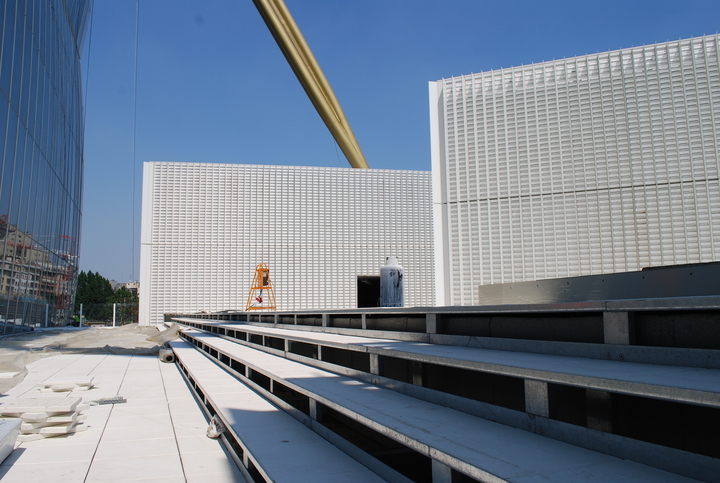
{"x":412,"y":403}
{"x":273,"y":446}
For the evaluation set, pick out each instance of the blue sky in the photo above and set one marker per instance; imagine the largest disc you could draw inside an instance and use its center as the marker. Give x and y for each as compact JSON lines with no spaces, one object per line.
{"x":212,"y":85}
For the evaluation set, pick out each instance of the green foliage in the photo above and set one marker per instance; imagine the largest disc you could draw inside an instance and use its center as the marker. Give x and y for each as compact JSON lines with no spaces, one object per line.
{"x":93,"y":288}
{"x":97,"y":296}
{"x":124,"y":296}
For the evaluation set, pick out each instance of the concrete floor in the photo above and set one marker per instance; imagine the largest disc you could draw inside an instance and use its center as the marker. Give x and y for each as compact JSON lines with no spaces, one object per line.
{"x":157,"y":436}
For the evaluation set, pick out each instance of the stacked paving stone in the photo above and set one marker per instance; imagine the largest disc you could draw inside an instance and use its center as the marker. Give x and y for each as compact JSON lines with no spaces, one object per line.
{"x":46,"y":417}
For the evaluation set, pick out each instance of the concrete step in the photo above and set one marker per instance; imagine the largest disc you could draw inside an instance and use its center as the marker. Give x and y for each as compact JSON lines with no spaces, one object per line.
{"x":271,"y":445}
{"x":662,"y":355}
{"x":680,"y":322}
{"x":555,"y":396}
{"x":680,"y":384}
{"x":441,"y":440}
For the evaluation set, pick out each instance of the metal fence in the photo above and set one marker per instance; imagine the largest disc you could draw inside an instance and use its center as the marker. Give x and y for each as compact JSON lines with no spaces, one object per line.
{"x":109,"y":314}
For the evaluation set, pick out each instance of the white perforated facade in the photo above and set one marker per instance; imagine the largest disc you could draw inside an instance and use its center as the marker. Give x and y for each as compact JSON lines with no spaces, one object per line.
{"x":205,"y":227}
{"x":594,"y":164}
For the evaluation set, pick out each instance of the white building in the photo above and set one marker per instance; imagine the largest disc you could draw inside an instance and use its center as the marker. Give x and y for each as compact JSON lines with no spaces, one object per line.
{"x":595,"y":164}
{"x":205,"y":227}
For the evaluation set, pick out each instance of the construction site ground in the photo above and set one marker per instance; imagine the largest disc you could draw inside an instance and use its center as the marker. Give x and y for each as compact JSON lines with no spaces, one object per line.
{"x":158,"y":435}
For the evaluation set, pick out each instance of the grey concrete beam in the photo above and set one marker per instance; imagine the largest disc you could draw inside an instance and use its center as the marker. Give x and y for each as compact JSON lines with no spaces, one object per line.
{"x":618,"y":328}
{"x":431,"y":323}
{"x":441,"y":473}
{"x":315,"y":412}
{"x":536,"y":398}
{"x":599,"y":410}
{"x":375,"y":364}
{"x":416,"y":375}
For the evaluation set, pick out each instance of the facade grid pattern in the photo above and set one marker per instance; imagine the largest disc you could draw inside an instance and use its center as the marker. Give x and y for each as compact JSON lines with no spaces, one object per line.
{"x":205,"y":227}
{"x":595,"y":164}
{"x":41,"y":159}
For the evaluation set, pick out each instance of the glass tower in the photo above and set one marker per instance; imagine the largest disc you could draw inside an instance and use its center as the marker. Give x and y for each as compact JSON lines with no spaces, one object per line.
{"x":41,"y":159}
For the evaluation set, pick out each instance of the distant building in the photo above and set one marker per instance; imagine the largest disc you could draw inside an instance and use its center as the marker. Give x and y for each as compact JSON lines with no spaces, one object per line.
{"x":41,"y":156}
{"x":133,"y":287}
{"x":595,"y":164}
{"x":322,"y":231}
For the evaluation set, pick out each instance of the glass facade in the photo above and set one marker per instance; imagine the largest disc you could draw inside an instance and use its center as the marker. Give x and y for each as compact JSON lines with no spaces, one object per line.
{"x":41,"y":155}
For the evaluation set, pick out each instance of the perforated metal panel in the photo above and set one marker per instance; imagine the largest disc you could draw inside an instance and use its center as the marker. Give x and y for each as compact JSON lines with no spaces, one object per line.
{"x":206,"y":227}
{"x":595,"y":164}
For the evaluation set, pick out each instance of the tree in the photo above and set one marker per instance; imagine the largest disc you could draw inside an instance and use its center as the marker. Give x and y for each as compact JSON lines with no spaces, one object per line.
{"x":127,"y":305}
{"x":93,"y":288}
{"x":94,"y":291}
{"x":124,"y":296}
{"x":97,"y":296}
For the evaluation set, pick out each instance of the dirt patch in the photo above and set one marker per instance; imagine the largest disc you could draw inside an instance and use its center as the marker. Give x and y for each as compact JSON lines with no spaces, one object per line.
{"x":127,"y":339}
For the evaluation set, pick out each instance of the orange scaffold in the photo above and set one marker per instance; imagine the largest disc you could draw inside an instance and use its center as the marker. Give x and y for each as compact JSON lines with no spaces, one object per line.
{"x":261,"y":282}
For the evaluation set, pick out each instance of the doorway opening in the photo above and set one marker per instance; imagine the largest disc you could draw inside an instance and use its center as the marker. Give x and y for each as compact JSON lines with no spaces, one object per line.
{"x":368,"y":291}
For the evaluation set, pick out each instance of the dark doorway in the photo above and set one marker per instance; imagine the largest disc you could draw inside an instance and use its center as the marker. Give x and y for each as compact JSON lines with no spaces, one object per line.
{"x":368,"y":291}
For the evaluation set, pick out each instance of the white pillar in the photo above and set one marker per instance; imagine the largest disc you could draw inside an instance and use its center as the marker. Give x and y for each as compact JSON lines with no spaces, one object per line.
{"x":114,"y":305}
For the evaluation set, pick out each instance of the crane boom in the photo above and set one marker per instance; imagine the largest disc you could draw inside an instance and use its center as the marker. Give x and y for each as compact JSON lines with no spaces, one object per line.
{"x":302,"y":61}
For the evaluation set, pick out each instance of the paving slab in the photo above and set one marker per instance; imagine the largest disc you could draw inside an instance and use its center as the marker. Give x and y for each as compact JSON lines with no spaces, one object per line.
{"x":134,"y":441}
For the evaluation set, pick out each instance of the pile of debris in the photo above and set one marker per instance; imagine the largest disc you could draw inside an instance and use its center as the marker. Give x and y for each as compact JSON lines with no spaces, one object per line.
{"x":45,"y":417}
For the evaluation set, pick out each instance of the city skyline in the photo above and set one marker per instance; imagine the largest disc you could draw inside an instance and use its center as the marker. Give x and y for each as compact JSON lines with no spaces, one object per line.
{"x":212,"y":86}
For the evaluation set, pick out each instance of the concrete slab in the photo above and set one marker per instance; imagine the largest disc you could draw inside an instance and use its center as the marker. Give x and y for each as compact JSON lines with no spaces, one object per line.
{"x":223,"y":477}
{"x":67,"y":472}
{"x":196,"y":464}
{"x":282,"y":446}
{"x":474,"y":446}
{"x":123,"y":442}
{"x":136,"y":468}
{"x":137,"y":448}
{"x":51,"y":453}
{"x":47,"y":404}
{"x":688,"y":384}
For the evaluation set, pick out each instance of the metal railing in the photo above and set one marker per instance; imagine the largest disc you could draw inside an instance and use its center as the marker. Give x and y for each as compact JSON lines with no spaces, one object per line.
{"x":109,"y":315}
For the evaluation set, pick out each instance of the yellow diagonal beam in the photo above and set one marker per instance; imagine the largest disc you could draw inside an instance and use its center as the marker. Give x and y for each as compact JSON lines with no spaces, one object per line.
{"x":302,"y":61}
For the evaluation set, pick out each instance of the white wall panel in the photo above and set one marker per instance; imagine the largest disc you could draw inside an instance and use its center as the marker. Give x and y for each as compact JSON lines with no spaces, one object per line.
{"x":595,"y":164}
{"x":206,"y":227}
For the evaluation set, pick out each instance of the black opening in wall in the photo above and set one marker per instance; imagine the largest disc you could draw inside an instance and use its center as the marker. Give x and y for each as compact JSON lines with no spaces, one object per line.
{"x":368,"y":291}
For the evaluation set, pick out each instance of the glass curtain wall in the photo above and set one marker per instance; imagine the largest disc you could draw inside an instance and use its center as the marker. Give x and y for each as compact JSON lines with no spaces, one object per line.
{"x":41,"y":153}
